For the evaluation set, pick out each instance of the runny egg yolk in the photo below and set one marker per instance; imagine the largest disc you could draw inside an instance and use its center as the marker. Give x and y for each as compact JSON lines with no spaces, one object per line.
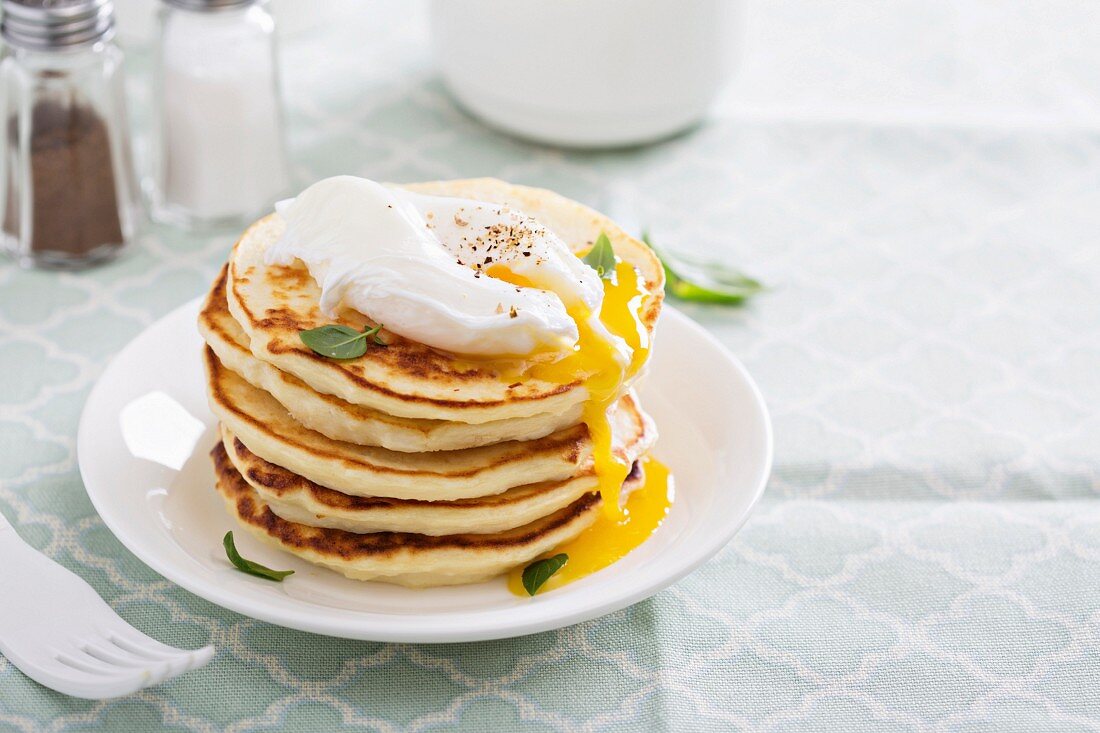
{"x":604,"y":360}
{"x":609,"y":539}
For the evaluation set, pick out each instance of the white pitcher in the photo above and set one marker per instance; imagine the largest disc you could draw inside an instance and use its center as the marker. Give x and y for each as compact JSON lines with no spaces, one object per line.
{"x":586,"y":73}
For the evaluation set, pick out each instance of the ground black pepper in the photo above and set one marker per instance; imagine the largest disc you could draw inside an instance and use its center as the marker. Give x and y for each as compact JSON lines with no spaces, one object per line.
{"x":73,"y":204}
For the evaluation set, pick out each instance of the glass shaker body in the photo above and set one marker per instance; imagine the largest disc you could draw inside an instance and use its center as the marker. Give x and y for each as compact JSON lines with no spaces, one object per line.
{"x":218,"y":148}
{"x":68,"y":193}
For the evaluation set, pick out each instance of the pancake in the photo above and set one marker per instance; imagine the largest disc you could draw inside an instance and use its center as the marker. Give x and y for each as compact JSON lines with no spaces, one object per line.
{"x":403,"y":558}
{"x":297,"y":499}
{"x":270,"y":432}
{"x":273,"y":304}
{"x":340,"y":420}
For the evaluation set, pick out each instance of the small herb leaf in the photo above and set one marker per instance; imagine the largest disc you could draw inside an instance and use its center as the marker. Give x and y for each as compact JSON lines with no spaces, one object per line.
{"x":538,"y":572}
{"x":249,"y":567}
{"x":704,"y":282}
{"x":341,"y":342}
{"x":372,"y":334}
{"x":601,"y":258}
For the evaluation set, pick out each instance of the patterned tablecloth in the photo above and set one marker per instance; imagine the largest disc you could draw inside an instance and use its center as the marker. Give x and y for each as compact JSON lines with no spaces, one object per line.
{"x":920,"y":184}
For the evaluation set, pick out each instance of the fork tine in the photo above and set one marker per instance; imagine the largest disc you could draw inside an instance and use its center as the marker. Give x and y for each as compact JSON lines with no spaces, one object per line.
{"x":149,"y":671}
{"x":129,"y":639}
{"x":132,"y":641}
{"x":78,"y":660}
{"x":71,"y":681}
{"x":145,"y":671}
{"x":113,"y":654}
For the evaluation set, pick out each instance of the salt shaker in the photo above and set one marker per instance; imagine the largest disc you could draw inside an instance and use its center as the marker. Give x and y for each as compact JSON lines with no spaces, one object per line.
{"x":69,"y":196}
{"x":219,"y":157}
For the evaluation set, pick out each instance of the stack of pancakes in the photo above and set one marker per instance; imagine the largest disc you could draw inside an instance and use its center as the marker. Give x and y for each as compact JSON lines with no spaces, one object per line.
{"x":407,"y":465}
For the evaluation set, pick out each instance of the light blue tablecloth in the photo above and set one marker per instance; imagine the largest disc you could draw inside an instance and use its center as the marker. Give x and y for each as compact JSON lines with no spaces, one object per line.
{"x":920,"y":183}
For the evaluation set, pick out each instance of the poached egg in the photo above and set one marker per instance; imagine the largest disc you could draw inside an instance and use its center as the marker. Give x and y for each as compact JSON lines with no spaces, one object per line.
{"x":418,"y":264}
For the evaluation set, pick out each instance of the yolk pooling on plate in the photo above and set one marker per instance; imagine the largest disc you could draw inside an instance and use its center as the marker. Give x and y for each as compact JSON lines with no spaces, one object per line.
{"x":609,"y":539}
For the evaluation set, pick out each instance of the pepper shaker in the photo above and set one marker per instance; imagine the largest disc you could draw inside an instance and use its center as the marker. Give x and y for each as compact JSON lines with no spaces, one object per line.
{"x":69,"y":198}
{"x":218,"y":148}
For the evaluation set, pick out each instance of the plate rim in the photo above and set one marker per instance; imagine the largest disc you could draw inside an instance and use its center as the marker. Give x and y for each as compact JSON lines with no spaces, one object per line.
{"x":302,"y":620}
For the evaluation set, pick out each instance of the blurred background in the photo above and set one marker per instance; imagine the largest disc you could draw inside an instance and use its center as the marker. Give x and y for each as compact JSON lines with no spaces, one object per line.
{"x":829,"y":106}
{"x":935,"y":60}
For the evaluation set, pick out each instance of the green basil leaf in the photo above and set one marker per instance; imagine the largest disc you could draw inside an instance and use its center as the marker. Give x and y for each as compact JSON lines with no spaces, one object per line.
{"x":249,"y":567}
{"x":372,"y":333}
{"x":601,"y":258}
{"x":341,"y":342}
{"x":538,"y":572}
{"x":704,"y":282}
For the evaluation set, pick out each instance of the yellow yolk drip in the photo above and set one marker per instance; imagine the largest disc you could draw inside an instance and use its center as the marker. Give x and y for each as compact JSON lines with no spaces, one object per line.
{"x":610,"y":539}
{"x":604,"y":361}
{"x":596,"y":360}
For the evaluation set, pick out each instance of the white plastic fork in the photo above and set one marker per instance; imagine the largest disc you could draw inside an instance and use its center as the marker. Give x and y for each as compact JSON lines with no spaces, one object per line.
{"x":60,"y":633}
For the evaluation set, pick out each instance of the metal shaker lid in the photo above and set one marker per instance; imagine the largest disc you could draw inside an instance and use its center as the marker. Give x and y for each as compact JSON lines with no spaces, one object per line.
{"x":56,"y":24}
{"x":210,"y":4}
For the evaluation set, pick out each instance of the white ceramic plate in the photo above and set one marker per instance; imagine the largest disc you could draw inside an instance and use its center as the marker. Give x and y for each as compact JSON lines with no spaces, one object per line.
{"x":143,"y":450}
